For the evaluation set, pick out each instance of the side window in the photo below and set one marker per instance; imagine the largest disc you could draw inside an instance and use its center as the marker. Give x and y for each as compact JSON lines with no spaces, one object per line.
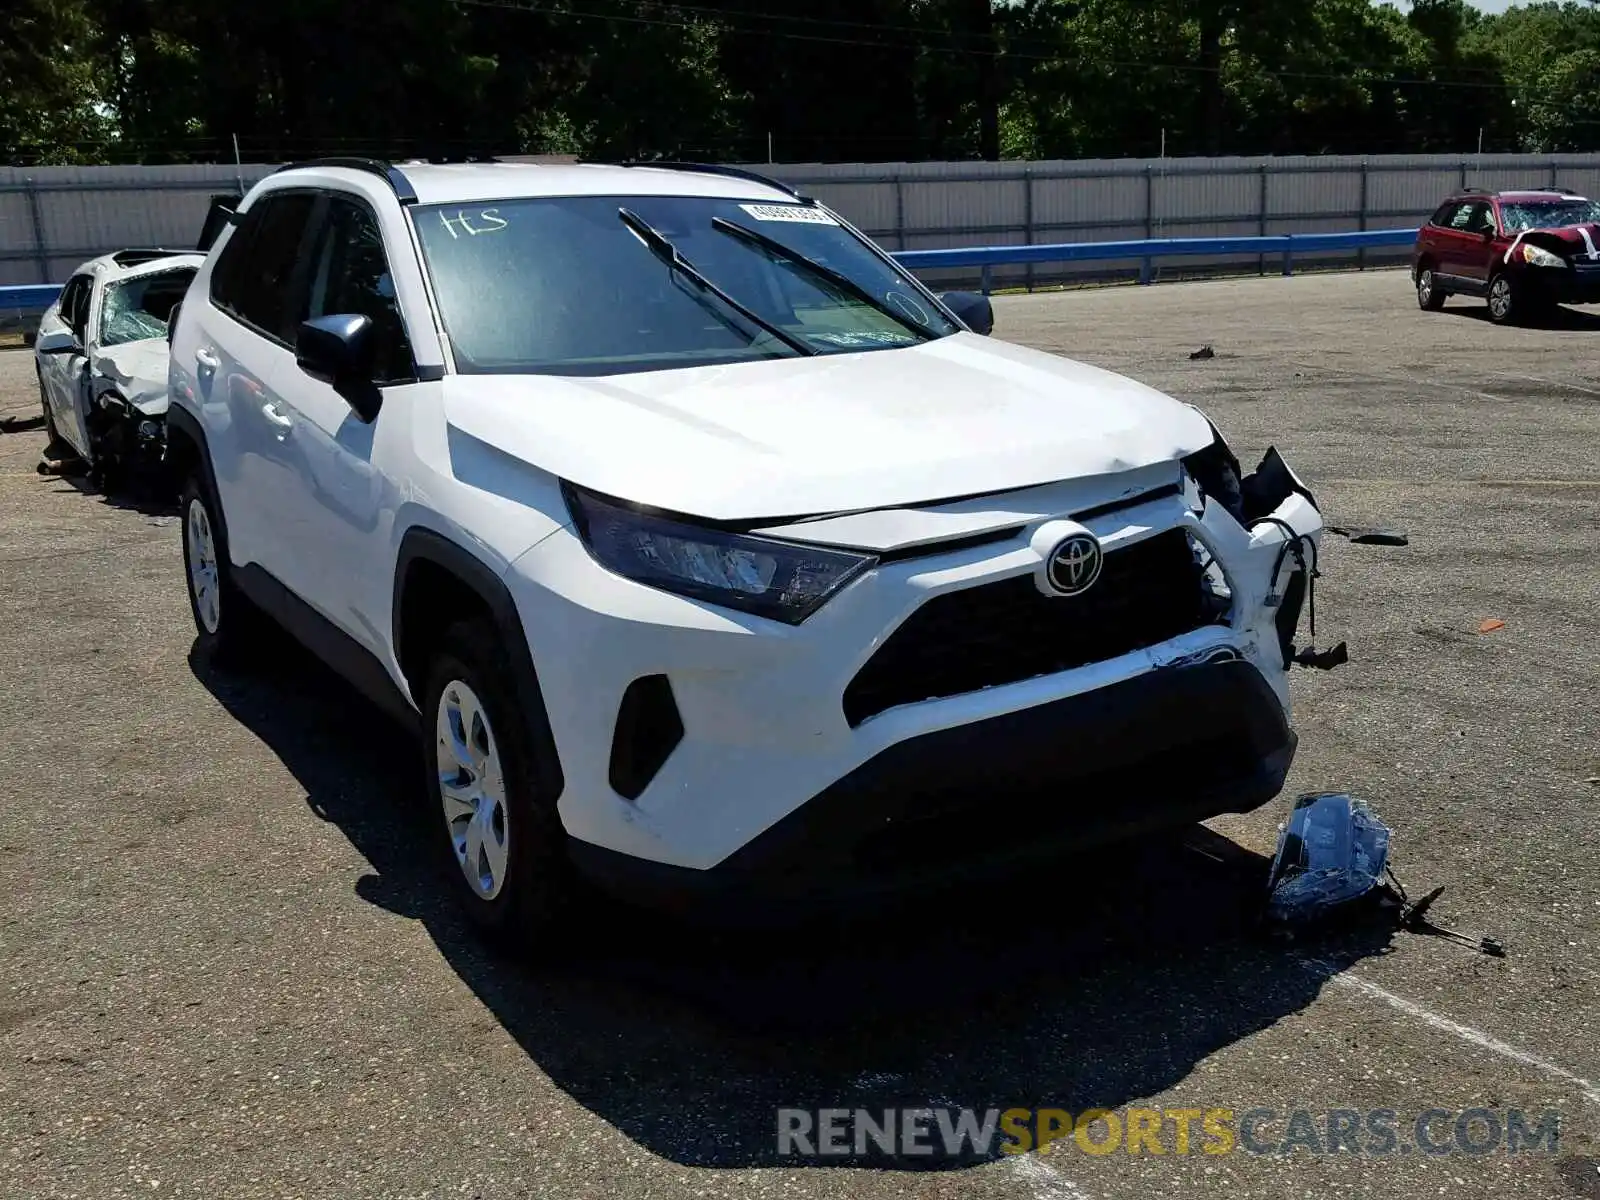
{"x":1459,"y":218}
{"x":351,"y":275}
{"x":1447,"y":210}
{"x":1481,"y":218}
{"x":75,"y":304}
{"x":257,"y":268}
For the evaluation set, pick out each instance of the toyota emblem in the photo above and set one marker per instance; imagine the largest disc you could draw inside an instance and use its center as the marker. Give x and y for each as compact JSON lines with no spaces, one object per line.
{"x":1075,"y":564}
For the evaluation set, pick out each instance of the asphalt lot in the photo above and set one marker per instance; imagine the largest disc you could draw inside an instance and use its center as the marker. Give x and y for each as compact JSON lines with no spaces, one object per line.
{"x":225,"y":970}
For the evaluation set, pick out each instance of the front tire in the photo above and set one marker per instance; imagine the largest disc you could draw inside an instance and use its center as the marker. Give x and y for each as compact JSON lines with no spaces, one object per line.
{"x":1430,"y":296}
{"x":227,"y":625}
{"x":502,"y":839}
{"x":53,"y":446}
{"x":1505,"y":302}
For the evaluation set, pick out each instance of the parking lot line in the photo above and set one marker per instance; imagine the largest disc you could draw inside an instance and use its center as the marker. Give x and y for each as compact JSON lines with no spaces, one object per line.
{"x":1445,"y":1024}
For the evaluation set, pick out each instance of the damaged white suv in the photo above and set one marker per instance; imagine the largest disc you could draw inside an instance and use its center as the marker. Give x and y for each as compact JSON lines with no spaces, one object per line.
{"x":710,"y":552}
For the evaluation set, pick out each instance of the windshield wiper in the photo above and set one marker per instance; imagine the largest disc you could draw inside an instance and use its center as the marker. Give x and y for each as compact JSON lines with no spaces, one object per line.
{"x":673,"y":257}
{"x":841,"y":281}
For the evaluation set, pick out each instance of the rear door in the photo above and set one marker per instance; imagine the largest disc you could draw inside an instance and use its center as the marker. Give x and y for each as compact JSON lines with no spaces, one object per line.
{"x":242,"y":344}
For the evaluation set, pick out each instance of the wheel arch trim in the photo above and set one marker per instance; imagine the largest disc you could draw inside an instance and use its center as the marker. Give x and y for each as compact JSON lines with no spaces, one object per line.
{"x":421,"y":545}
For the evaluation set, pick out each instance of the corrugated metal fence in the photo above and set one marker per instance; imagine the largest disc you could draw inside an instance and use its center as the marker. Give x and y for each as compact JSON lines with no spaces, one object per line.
{"x":52,"y":218}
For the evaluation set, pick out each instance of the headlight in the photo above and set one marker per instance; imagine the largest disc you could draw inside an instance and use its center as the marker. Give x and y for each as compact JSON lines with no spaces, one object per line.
{"x":783,"y":581}
{"x":1538,"y":256}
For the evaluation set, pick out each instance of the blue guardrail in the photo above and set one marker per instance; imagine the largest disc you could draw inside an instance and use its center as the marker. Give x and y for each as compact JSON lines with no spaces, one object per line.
{"x":34,"y":299}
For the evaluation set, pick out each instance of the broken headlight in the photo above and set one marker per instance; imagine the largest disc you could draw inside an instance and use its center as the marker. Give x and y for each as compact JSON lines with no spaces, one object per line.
{"x":1216,"y":471}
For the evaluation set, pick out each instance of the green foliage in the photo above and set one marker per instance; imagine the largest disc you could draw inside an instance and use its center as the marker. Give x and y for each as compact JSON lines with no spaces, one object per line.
{"x":837,"y":79}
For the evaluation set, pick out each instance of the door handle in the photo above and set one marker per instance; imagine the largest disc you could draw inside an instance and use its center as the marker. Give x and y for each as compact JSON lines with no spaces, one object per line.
{"x":278,"y":419}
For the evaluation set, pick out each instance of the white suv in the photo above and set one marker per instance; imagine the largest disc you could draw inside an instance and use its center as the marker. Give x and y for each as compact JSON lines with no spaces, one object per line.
{"x":538,"y":457}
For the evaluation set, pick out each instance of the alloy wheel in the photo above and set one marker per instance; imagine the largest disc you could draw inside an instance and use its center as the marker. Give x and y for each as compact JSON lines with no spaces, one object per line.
{"x":472,"y":789}
{"x":204,"y":577}
{"x":1500,"y":298}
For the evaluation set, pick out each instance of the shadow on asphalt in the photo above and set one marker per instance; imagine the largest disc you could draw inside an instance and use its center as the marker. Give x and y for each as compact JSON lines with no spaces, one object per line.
{"x":1108,"y":982}
{"x":1560,"y":318}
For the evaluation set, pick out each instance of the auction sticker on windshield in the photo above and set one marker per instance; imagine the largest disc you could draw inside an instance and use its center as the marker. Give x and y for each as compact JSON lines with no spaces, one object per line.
{"x":805,"y":214}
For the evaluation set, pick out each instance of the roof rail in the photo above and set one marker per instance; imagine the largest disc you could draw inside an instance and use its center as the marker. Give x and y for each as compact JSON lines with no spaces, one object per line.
{"x":135,"y":255}
{"x":716,"y":169}
{"x":403,"y":191}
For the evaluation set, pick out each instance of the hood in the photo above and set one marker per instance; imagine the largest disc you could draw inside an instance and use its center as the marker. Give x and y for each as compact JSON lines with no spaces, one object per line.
{"x":1570,"y":241}
{"x":138,"y":370}
{"x":961,"y":416}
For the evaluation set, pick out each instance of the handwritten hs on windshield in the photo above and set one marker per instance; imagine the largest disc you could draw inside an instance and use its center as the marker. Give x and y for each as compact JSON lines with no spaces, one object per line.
{"x":488,"y":220}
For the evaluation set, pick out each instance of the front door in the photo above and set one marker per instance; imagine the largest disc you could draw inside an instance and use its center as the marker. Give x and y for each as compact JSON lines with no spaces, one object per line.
{"x":329,"y":518}
{"x":65,"y":375}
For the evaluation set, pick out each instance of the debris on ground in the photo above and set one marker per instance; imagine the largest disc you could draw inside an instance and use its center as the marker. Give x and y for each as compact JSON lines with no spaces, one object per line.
{"x":1332,"y":851}
{"x":1203,"y":352}
{"x":1333,"y":860}
{"x":21,"y":424}
{"x":1490,"y":625}
{"x":1361,"y":536}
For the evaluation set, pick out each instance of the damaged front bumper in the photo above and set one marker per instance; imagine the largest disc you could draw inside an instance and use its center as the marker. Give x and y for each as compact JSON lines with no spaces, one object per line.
{"x":126,"y":436}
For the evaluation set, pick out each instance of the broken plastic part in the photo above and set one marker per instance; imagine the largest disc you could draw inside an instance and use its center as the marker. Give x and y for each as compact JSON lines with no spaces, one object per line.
{"x":1269,"y":485}
{"x":1332,"y":851}
{"x":1371,"y":537}
{"x":1323,"y":660}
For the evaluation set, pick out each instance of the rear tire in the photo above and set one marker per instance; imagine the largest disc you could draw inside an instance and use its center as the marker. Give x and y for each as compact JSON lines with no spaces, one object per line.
{"x":1430,"y":296}
{"x":502,"y":840}
{"x":228,"y":626}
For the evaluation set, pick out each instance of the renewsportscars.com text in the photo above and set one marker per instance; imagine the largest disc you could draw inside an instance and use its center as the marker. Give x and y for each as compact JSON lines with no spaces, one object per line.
{"x":966,"y":1133}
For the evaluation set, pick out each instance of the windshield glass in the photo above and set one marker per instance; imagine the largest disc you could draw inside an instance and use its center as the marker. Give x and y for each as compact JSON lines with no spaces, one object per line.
{"x":560,"y":285}
{"x":1551,"y":215}
{"x":136,"y":309}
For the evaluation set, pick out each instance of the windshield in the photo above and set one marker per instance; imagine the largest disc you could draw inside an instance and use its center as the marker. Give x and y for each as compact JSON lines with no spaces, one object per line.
{"x":136,"y":309}
{"x":1517,"y":217}
{"x":562,"y":285}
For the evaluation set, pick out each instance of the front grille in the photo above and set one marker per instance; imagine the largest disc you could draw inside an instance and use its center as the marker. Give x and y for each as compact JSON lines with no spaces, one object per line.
{"x":1004,"y":632}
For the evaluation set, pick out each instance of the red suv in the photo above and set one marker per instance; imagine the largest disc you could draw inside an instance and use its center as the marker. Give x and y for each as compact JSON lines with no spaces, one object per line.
{"x":1524,"y":251}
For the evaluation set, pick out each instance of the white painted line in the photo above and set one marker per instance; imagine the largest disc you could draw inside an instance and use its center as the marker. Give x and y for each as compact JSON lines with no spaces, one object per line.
{"x":1557,"y":383}
{"x":1465,"y":1032}
{"x":1043,"y":1181}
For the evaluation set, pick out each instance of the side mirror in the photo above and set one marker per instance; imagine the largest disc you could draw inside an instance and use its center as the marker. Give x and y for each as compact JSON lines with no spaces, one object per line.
{"x":57,"y":341}
{"x":974,"y":309}
{"x":341,"y":350}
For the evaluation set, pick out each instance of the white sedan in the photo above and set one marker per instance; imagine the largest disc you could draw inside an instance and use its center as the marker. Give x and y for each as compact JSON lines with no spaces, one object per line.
{"x":101,"y":355}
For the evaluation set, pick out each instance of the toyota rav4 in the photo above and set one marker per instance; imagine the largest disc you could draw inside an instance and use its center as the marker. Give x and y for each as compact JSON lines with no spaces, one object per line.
{"x":712,"y":554}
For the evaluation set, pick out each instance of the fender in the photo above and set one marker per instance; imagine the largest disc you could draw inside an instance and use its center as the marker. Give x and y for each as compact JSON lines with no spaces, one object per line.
{"x":424,"y":545}
{"x":185,"y":422}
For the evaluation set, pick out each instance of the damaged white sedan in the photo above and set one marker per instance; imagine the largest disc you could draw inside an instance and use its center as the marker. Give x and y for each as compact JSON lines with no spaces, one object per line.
{"x":101,"y":358}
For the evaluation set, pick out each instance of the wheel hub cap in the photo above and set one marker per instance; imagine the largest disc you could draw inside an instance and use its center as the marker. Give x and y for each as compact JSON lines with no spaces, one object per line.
{"x":472,"y":790}
{"x":204,"y":577}
{"x":1500,"y":297}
